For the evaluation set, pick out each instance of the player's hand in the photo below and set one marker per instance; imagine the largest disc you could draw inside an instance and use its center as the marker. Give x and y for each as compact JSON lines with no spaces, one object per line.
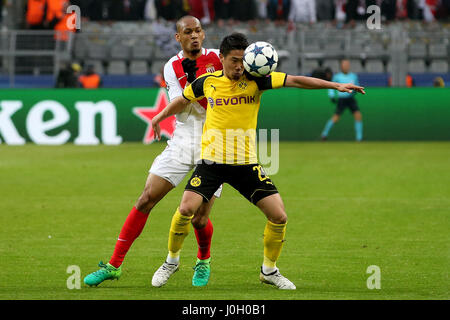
{"x":190,"y":68}
{"x":350,"y":87}
{"x":156,"y":128}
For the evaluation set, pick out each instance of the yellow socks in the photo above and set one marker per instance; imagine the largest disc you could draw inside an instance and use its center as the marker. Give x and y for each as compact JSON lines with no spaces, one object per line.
{"x":179,"y":229}
{"x":273,"y":243}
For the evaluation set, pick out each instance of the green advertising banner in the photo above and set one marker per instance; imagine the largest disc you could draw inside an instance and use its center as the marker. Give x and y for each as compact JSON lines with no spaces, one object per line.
{"x":114,"y":116}
{"x":388,"y":114}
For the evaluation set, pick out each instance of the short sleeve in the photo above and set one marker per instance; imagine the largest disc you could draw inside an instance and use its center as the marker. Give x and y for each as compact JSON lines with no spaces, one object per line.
{"x":173,"y":86}
{"x":194,"y":91}
{"x":274,"y":81}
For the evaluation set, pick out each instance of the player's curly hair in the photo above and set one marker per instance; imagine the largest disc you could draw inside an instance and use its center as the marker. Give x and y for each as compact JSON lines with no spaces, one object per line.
{"x":235,"y":41}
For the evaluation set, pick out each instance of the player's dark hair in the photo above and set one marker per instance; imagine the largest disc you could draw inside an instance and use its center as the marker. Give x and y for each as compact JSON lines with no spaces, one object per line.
{"x":235,"y":41}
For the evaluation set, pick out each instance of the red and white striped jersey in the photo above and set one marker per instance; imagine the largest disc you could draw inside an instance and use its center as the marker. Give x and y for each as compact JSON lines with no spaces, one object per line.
{"x":175,"y":77}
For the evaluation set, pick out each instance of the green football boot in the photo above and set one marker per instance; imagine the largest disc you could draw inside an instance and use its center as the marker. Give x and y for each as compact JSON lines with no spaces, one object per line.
{"x":106,"y":272}
{"x":202,"y":271}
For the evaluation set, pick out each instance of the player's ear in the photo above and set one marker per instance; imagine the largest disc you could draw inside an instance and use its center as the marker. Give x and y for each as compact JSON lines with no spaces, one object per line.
{"x":177,"y":37}
{"x":203,"y":35}
{"x":221,"y":57}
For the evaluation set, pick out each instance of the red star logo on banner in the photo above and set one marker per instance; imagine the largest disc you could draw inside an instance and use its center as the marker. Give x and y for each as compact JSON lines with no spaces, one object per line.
{"x":147,"y":114}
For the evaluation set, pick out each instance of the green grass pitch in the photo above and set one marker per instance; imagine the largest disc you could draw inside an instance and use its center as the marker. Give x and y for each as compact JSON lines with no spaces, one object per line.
{"x":349,"y":206}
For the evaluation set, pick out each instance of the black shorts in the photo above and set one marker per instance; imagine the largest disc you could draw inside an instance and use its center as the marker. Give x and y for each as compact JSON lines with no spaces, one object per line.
{"x":250,"y":180}
{"x":344,"y":103}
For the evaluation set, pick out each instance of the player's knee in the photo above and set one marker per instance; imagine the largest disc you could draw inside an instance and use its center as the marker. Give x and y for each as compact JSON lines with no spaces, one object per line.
{"x":186,"y":209}
{"x":199,"y":222}
{"x":146,"y":202}
{"x":280,"y":218}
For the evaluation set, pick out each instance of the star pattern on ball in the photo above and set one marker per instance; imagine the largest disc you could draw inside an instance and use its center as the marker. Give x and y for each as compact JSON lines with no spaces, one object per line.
{"x":254,"y":67}
{"x":270,"y":61}
{"x":257,"y":50}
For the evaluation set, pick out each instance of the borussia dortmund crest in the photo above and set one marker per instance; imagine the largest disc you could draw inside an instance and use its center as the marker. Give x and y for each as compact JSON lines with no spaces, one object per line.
{"x":195,"y":181}
{"x":243,"y":85}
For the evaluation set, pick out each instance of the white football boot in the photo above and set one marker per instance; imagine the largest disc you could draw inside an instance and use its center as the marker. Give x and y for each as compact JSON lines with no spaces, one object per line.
{"x":275,"y":278}
{"x":163,"y":274}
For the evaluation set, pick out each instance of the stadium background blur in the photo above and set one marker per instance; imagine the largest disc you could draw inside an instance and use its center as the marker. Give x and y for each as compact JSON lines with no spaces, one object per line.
{"x":129,"y":41}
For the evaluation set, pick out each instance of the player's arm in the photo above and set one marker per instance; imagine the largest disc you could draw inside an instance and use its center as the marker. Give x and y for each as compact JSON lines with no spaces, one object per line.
{"x":175,"y":106}
{"x":315,"y":83}
{"x":173,"y":85}
{"x":192,"y":92}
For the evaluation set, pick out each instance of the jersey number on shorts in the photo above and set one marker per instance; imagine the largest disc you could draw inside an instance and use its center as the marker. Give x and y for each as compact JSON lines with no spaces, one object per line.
{"x":261,"y":174}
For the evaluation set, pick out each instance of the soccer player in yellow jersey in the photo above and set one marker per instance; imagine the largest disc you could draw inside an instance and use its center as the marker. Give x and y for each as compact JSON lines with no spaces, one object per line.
{"x":229,"y":151}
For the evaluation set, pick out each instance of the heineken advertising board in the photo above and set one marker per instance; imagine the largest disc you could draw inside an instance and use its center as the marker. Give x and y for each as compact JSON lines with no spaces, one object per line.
{"x":115,"y":116}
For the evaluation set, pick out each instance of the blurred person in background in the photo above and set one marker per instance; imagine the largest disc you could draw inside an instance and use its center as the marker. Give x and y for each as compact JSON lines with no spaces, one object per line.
{"x":446,"y":8}
{"x":95,"y":10}
{"x":201,"y":9}
{"x":429,"y":9}
{"x":150,"y":13}
{"x":170,"y":10}
{"x":159,"y":79}
{"x":55,"y":12}
{"x":389,"y":9}
{"x":90,"y":79}
{"x":278,"y":10}
{"x":409,"y":81}
{"x":303,"y":11}
{"x":246,"y":12}
{"x":344,"y":100}
{"x":402,"y":9}
{"x":68,"y":76}
{"x":325,"y":10}
{"x":438,"y":82}
{"x":355,"y":10}
{"x":323,"y":73}
{"x":224,"y":11}
{"x":340,"y":14}
{"x":35,"y":14}
{"x":127,"y":10}
{"x":261,"y":7}
{"x":66,"y":24}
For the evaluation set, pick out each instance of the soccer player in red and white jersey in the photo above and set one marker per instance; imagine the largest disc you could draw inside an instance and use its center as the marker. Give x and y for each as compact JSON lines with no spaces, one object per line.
{"x":172,"y":165}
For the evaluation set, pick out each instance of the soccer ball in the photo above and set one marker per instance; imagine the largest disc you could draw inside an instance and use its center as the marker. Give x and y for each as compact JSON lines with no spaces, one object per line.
{"x":260,"y":59}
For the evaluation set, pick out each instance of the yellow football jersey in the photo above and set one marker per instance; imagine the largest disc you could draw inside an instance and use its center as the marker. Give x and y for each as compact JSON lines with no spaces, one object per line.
{"x":229,"y":132}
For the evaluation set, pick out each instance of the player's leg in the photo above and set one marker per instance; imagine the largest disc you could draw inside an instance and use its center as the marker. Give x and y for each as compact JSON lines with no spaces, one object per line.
{"x":353,"y":106}
{"x":330,"y":123}
{"x":179,"y":229}
{"x":274,"y":236}
{"x":203,"y":232}
{"x":165,"y":173}
{"x":340,"y":107}
{"x":358,"y":125}
{"x":203,"y":226}
{"x":252,"y":182}
{"x":155,"y":189}
{"x":273,"y":208}
{"x":200,"y":189}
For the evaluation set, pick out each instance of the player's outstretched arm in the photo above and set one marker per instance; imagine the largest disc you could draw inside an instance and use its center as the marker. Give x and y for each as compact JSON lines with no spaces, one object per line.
{"x":175,"y":106}
{"x":315,"y":83}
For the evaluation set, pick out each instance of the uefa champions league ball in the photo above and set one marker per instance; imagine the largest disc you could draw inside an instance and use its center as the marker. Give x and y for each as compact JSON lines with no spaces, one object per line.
{"x":260,"y":59}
